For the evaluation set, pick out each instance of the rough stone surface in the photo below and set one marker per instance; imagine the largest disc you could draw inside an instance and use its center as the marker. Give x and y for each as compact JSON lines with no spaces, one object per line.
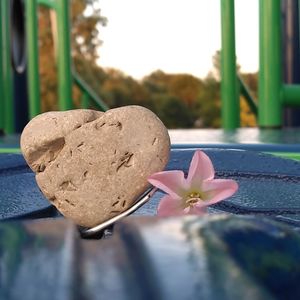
{"x":93,"y":165}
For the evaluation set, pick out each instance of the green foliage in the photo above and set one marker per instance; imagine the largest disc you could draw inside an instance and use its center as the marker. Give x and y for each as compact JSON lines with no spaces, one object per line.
{"x":180,"y":100}
{"x":174,"y":97}
{"x":173,"y":111}
{"x":251,"y":81}
{"x":209,"y":103}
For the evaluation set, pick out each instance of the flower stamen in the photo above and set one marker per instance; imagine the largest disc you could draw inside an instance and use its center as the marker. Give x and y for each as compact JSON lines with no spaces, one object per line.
{"x":193,"y":198}
{"x":192,"y":201}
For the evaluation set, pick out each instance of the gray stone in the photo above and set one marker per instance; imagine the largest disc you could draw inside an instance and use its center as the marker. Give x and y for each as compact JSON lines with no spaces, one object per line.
{"x":93,"y":165}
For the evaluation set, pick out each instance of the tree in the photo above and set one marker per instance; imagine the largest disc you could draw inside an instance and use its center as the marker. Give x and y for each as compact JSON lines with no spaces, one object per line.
{"x":216,"y":70}
{"x":250,"y":79}
{"x":48,"y":70}
{"x":86,"y":22}
{"x":173,"y":112}
{"x":186,"y":87}
{"x":208,"y":106}
{"x":246,"y":115}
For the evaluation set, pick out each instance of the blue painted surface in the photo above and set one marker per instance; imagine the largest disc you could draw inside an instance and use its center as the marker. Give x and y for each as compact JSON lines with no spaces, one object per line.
{"x":268,"y":185}
{"x":209,"y":258}
{"x":20,"y":196}
{"x":156,"y":258}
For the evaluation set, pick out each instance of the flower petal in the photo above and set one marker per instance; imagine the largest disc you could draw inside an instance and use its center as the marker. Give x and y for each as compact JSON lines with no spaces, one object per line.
{"x":171,"y":182}
{"x":217,"y":190}
{"x":169,"y":206}
{"x":195,"y":210}
{"x":201,"y":168}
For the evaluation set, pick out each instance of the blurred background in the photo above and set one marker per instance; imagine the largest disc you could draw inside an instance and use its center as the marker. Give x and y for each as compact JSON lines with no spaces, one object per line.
{"x":184,"y":91}
{"x":193,"y":63}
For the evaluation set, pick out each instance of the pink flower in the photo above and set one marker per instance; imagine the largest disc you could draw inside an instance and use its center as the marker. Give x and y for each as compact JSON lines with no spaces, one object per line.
{"x":193,"y":194}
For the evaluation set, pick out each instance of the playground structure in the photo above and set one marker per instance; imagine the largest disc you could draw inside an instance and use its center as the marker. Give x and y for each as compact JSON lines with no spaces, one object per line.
{"x":274,"y":95}
{"x":19,"y":62}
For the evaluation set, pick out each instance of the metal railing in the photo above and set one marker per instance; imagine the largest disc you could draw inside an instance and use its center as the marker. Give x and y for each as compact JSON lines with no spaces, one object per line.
{"x":66,"y":76}
{"x":273,"y":94}
{"x":64,"y":64}
{"x":88,"y":94}
{"x":6,"y":103}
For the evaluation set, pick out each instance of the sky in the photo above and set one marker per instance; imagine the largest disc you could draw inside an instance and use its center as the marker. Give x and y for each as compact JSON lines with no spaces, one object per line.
{"x":175,"y":36}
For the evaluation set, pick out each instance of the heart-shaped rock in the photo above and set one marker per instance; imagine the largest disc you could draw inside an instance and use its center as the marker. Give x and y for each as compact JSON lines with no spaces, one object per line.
{"x":93,"y":165}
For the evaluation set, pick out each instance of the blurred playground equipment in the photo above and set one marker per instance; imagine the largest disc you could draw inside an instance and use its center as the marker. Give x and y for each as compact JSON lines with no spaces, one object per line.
{"x":19,"y":62}
{"x":279,"y":73}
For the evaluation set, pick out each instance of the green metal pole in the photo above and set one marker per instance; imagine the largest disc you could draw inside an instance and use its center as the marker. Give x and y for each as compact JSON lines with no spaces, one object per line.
{"x":291,"y":94}
{"x":33,"y":58}
{"x":229,"y":87}
{"x":7,"y":71}
{"x":88,"y":91}
{"x":1,"y":76}
{"x":48,"y":3}
{"x":270,"y":71}
{"x":246,"y":93}
{"x":85,"y":100}
{"x":64,"y":55}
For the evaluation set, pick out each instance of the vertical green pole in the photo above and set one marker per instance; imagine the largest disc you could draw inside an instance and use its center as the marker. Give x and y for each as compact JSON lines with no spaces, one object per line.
{"x":7,"y":71}
{"x":229,"y":90}
{"x":1,"y":76}
{"x":85,"y":100}
{"x":270,"y":70}
{"x":64,"y":55}
{"x":33,"y":58}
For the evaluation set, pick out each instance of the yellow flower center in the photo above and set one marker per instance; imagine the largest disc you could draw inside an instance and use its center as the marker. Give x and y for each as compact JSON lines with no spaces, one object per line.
{"x":194,"y":197}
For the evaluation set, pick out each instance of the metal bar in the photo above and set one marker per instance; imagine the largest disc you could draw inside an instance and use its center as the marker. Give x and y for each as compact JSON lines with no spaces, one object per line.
{"x":270,"y":67}
{"x":291,"y":94}
{"x":33,"y":58}
{"x":229,"y":90}
{"x":64,"y":56}
{"x":7,"y":71}
{"x":93,"y":96}
{"x":246,"y":93}
{"x":1,"y":76}
{"x":290,"y":56}
{"x":85,"y":100}
{"x":140,"y":201}
{"x":48,"y":3}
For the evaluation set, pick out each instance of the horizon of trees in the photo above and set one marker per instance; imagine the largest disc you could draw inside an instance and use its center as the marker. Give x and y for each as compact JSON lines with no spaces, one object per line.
{"x":179,"y":100}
